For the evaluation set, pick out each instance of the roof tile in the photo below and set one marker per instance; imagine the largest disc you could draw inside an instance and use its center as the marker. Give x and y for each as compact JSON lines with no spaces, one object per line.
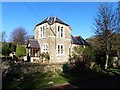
{"x":52,"y":20}
{"x":79,"y":40}
{"x":34,"y":43}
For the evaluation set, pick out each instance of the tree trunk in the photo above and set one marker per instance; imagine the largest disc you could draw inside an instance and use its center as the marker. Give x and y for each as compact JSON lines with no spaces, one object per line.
{"x":118,"y":55}
{"x":5,"y":57}
{"x":118,"y":60}
{"x":106,"y":63}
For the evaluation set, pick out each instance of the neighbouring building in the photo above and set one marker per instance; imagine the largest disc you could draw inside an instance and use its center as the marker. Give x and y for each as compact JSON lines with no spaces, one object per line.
{"x":52,"y":36}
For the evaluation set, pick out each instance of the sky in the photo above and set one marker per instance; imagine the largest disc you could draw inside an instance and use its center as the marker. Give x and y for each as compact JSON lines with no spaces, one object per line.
{"x":78,"y":15}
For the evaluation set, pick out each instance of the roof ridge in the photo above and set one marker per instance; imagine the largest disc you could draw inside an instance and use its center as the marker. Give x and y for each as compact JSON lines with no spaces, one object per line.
{"x":48,"y":18}
{"x":51,"y":20}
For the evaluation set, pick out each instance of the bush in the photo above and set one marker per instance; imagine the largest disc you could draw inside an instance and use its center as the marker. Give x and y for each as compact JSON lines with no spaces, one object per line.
{"x":82,"y":57}
{"x":7,"y":58}
{"x":20,"y":51}
{"x":98,"y":69}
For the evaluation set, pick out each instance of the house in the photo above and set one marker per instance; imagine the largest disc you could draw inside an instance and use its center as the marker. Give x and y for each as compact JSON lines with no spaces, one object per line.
{"x":78,"y":40}
{"x":33,"y":49}
{"x":53,"y":36}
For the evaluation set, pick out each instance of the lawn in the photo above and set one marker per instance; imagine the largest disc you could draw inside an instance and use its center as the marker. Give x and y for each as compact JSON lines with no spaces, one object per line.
{"x":81,"y":78}
{"x":33,"y":80}
{"x":98,"y":78}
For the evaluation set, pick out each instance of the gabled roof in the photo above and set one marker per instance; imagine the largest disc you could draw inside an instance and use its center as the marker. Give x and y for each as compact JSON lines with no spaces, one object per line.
{"x":52,"y":20}
{"x":79,"y":41}
{"x":33,"y":43}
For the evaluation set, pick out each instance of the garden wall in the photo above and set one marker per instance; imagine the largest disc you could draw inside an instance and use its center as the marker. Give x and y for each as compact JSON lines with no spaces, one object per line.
{"x":38,"y":67}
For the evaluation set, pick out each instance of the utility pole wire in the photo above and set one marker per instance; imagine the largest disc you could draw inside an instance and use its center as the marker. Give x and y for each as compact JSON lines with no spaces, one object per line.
{"x":33,"y":11}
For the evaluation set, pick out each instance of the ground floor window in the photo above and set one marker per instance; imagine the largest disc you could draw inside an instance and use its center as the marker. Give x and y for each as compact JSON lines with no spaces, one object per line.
{"x":60,"y":49}
{"x":44,"y":48}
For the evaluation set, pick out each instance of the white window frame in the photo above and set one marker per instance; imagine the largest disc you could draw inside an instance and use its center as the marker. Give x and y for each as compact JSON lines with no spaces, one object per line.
{"x":41,"y":32}
{"x":60,"y":49}
{"x":61,"y":28}
{"x":44,"y":47}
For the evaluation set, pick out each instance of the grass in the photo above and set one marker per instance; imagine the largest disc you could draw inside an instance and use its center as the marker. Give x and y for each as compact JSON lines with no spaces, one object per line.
{"x":33,"y":81}
{"x":114,"y":70}
{"x":84,"y":79}
{"x":79,"y":77}
{"x":96,"y":78}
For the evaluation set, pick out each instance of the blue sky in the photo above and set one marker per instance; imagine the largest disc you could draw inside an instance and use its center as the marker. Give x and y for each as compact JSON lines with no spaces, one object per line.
{"x":79,"y":15}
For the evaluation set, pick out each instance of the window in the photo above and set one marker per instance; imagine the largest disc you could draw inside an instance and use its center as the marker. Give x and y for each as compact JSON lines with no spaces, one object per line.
{"x":60,"y":49}
{"x":60,"y":31}
{"x":42,"y":33}
{"x":44,"y":48}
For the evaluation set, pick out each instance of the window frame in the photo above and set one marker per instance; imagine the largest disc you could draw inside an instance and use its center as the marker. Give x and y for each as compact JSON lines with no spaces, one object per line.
{"x":41,"y":32}
{"x":60,"y":49}
{"x":44,"y":47}
{"x":60,"y":31}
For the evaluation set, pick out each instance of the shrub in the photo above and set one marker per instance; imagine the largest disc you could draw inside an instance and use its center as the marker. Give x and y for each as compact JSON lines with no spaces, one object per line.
{"x":82,"y":56}
{"x":20,"y":51}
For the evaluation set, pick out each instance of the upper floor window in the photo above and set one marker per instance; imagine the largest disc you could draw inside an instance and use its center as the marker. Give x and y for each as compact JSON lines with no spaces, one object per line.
{"x":60,"y":49}
{"x":42,"y":32}
{"x":60,"y":31}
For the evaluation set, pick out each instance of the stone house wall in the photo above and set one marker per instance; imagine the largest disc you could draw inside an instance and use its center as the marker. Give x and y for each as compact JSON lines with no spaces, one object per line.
{"x":53,"y":41}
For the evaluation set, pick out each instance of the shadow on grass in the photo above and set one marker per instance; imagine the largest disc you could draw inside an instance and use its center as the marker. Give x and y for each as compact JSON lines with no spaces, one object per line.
{"x":28,"y":81}
{"x":77,"y":77}
{"x":87,"y":78}
{"x":16,"y":79}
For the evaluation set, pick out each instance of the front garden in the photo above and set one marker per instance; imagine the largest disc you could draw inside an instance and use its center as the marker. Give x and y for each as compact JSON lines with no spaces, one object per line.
{"x":72,"y":78}
{"x":30,"y":76}
{"x":32,"y":80}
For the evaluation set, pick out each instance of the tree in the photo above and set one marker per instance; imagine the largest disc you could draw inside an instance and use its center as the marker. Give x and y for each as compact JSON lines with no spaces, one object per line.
{"x":119,"y":29}
{"x":18,"y":36}
{"x":117,"y":36}
{"x":105,"y":30}
{"x":82,"y":57}
{"x":7,"y":48}
{"x":93,"y":42}
{"x":30,"y":37}
{"x":3,"y":36}
{"x":20,"y":51}
{"x":12,"y":47}
{"x":118,"y":16}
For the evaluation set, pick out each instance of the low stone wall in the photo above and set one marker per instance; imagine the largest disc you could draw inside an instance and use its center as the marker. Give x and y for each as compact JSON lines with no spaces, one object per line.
{"x":38,"y":67}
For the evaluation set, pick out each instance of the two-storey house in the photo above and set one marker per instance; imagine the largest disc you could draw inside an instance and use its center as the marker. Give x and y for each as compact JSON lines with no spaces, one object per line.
{"x":52,"y":36}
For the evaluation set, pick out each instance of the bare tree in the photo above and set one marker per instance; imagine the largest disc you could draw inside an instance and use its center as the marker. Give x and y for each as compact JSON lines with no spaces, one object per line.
{"x":105,"y":29}
{"x":3,"y":36}
{"x":117,"y":44}
{"x":18,"y":36}
{"x":118,"y":15}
